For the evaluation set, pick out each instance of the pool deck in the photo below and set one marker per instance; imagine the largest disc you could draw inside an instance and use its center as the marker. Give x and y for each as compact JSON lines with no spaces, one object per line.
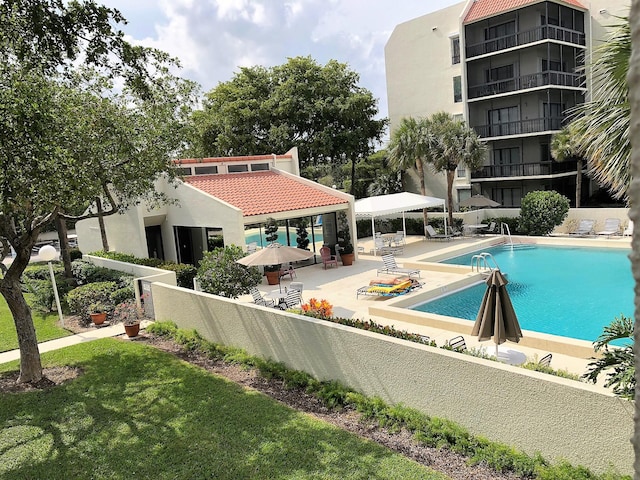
{"x":339,"y":285}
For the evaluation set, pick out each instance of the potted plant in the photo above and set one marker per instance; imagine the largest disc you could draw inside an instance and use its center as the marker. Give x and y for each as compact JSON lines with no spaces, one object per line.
{"x":301,"y":232}
{"x":130,"y":315}
{"x":272,"y":272}
{"x":344,"y":241}
{"x":98,"y":313}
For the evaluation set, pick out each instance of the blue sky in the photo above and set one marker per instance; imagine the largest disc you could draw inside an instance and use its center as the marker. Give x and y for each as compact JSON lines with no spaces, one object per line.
{"x":213,"y":38}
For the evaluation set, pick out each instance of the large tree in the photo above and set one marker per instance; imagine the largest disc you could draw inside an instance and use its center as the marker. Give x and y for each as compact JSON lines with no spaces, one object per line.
{"x":602,"y":124}
{"x":47,"y":130}
{"x":320,"y":109}
{"x":565,"y":147}
{"x":452,"y":144}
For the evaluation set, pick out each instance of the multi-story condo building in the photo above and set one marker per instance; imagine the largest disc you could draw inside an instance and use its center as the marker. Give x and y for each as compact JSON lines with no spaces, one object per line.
{"x":513,"y":69}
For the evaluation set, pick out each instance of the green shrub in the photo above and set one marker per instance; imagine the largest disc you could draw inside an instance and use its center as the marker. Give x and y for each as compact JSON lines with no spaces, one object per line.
{"x":42,"y":294}
{"x":541,"y":212}
{"x":220,"y":273}
{"x":185,"y":273}
{"x":80,"y":298}
{"x":122,"y":295}
{"x":86,"y":272}
{"x":75,"y":254}
{"x":535,"y":366}
{"x":40,"y":271}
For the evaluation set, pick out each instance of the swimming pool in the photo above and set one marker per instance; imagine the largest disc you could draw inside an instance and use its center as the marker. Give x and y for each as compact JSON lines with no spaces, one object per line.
{"x":568,"y":291}
{"x":260,"y":237}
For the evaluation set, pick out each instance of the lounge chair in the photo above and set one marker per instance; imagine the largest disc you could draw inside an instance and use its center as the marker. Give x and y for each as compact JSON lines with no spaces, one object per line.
{"x":431,"y":234}
{"x":299,"y":286}
{"x":398,"y":238}
{"x":389,"y":287}
{"x":546,"y":360}
{"x":585,"y":227}
{"x":327,"y":258}
{"x":492,"y":228}
{"x":258,"y":299}
{"x":611,"y":227}
{"x":292,"y":299}
{"x":458,"y":343}
{"x":629,"y":230}
{"x":390,"y":266}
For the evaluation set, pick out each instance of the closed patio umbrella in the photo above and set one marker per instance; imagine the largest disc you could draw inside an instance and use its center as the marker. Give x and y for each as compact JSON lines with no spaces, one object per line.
{"x":496,"y":318}
{"x":275,"y":254}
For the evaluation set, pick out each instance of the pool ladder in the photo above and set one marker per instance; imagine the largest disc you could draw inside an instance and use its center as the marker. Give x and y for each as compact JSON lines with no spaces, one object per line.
{"x":484,"y":263}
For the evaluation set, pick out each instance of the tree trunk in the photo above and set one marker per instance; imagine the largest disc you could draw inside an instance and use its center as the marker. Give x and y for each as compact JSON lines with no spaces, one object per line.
{"x":30,"y":365}
{"x":103,"y":231}
{"x":450,"y":178}
{"x":633,"y":78}
{"x":579,"y":182}
{"x":61,"y":227}
{"x":423,"y":191}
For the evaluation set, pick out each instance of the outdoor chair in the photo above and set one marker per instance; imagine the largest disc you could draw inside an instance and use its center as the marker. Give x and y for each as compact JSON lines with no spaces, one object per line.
{"x":398,"y":238}
{"x":390,"y":266}
{"x":546,"y":360}
{"x":252,"y":247}
{"x":327,"y":258}
{"x":288,"y":270}
{"x":431,"y":234}
{"x":611,"y":227}
{"x":492,"y":228}
{"x":292,"y":299}
{"x":458,"y":343}
{"x":296,"y":286}
{"x":629,"y":230}
{"x":258,"y":299}
{"x":585,"y":227}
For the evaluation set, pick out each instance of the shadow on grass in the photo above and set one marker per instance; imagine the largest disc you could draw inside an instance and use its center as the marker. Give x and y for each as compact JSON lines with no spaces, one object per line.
{"x":141,"y":413}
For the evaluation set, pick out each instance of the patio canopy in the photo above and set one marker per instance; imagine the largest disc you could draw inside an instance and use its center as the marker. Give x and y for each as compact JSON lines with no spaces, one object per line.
{"x":394,"y":203}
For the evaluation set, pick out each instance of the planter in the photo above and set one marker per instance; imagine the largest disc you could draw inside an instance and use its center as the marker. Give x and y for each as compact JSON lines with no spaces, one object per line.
{"x":98,"y":318}
{"x":273,"y":278}
{"x":132,"y":330}
{"x":347,"y":258}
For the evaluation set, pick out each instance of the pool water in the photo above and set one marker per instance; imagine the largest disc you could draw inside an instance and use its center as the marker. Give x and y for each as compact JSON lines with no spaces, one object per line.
{"x":261,"y":240}
{"x":570,"y":291}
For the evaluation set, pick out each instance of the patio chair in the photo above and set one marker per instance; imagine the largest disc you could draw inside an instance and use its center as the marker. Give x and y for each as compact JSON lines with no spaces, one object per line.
{"x":431,"y":234}
{"x":252,"y":247}
{"x":458,"y":343}
{"x":288,"y":270}
{"x":546,"y":360}
{"x":492,"y":228}
{"x":390,"y":266}
{"x":611,"y":227}
{"x":585,"y":227}
{"x":629,"y":230}
{"x":292,"y":299}
{"x":327,"y":258}
{"x":258,"y":299}
{"x":296,"y":286}
{"x":398,"y":238}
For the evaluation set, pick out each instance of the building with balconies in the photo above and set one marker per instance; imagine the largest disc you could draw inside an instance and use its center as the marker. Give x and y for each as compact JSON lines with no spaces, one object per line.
{"x":513,"y":69}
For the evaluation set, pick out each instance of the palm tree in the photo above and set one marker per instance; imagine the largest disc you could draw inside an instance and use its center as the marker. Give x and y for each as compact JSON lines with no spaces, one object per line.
{"x":452,"y":143}
{"x":407,"y":149}
{"x":565,"y":147}
{"x":602,"y":124}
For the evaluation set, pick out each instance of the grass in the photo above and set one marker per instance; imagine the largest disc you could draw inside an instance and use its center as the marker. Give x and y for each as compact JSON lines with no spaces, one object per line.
{"x":46,"y":327}
{"x":140,"y":413}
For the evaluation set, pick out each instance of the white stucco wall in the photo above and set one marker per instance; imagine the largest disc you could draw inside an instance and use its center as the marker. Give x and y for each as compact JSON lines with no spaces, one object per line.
{"x":529,"y":410}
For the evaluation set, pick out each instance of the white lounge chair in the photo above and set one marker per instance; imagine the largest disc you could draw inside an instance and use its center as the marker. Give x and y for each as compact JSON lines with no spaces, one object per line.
{"x":432,"y":234}
{"x":258,"y":299}
{"x":390,"y":266}
{"x":585,"y":227}
{"x":611,"y":227}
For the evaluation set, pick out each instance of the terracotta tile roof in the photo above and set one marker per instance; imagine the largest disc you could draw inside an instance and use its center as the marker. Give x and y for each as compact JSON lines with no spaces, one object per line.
{"x":261,"y":193}
{"x":488,"y":8}
{"x":248,"y":158}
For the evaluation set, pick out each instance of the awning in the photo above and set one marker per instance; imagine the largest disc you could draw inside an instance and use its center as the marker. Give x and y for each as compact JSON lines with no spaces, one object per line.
{"x":394,"y":203}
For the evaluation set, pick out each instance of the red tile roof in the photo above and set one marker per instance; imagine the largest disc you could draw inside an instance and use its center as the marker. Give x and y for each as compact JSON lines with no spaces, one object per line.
{"x":262,"y":193}
{"x":248,"y":158}
{"x":488,"y":8}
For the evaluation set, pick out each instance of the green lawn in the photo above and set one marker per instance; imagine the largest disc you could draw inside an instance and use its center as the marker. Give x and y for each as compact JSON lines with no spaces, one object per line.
{"x":46,"y":328}
{"x":141,"y":413}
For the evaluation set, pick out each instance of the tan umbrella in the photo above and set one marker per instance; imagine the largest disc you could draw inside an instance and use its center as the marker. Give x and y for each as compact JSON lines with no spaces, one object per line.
{"x":478,"y":201}
{"x":496,"y":318}
{"x":275,"y":254}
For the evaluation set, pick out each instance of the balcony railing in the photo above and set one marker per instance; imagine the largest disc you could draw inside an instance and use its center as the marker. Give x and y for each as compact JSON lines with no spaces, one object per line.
{"x":524,"y":170}
{"x":520,"y":127}
{"x":533,"y":80}
{"x":544,"y":32}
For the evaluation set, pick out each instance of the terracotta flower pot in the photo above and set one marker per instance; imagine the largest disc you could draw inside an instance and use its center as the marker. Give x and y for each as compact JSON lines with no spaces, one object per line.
{"x":132,"y":330}
{"x":98,"y":318}
{"x":347,"y":258}
{"x":273,"y":277}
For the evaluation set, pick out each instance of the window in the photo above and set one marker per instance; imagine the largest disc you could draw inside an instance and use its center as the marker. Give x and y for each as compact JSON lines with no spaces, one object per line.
{"x":457,"y":89}
{"x":461,"y":171}
{"x":498,"y":31}
{"x":237,"y":168}
{"x":505,"y":156}
{"x":552,"y":113}
{"x":255,"y":167}
{"x":504,"y":121}
{"x":206,"y":170}
{"x":458,"y":117}
{"x":499,"y":73}
{"x":184,"y":171}
{"x":553,"y":65}
{"x":545,"y":152}
{"x":455,"y":50}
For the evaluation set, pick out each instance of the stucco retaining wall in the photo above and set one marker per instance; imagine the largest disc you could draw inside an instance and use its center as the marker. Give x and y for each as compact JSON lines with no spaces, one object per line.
{"x":532,"y":411}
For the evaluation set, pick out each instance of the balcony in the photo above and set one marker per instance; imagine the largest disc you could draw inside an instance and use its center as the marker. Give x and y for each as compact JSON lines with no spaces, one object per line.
{"x":561,"y":79}
{"x":544,"y":32}
{"x":521,"y":127}
{"x":524,"y":170}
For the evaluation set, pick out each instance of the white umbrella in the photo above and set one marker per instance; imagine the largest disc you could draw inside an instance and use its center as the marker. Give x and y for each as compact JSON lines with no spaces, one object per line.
{"x":275,"y":254}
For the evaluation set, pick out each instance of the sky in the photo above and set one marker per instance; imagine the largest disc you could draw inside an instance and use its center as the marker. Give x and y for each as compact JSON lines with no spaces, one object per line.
{"x":214,"y":38}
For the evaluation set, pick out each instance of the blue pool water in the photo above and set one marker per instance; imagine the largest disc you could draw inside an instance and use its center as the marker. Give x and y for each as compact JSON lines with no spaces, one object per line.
{"x":568,"y":291}
{"x":260,"y":238}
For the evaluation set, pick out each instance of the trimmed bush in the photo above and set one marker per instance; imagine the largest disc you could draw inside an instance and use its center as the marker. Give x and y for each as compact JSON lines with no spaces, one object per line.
{"x":86,"y":272}
{"x":40,"y":271}
{"x":80,"y":298}
{"x":220,"y":273}
{"x":122,"y":295}
{"x":542,"y":211}
{"x":75,"y":254}
{"x":185,"y":273}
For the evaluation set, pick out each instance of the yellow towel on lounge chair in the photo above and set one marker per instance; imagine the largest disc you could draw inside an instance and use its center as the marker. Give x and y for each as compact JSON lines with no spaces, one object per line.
{"x":381,"y":288}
